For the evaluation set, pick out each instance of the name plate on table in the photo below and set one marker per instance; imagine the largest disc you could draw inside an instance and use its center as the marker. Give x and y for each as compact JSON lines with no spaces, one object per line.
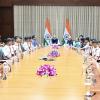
{"x":45,"y":58}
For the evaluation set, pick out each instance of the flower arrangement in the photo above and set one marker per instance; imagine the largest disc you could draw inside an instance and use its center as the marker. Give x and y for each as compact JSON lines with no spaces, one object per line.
{"x":54,"y":53}
{"x":55,"y":47}
{"x":47,"y":70}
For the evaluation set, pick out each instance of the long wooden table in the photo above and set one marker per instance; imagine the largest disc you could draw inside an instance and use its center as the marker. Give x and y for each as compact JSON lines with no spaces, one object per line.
{"x":24,"y":84}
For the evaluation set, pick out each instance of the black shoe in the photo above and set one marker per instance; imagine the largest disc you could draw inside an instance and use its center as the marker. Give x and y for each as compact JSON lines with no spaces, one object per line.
{"x":5,"y":78}
{"x":10,"y":70}
{"x":91,"y":95}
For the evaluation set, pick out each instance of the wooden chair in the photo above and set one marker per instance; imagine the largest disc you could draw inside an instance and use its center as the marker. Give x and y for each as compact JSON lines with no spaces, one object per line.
{"x":3,"y":60}
{"x":1,"y":70}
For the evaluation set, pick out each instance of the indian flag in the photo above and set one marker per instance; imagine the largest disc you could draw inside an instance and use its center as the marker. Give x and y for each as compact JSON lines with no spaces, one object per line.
{"x":47,"y":34}
{"x":66,"y":34}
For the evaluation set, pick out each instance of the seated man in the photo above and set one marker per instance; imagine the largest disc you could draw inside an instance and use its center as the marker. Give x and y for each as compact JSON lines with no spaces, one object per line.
{"x":3,"y":61}
{"x":35,"y":43}
{"x":76,"y":43}
{"x":1,"y":53}
{"x":3,"y":69}
{"x":98,"y":53}
{"x":70,"y":42}
{"x":54,"y":40}
{"x":47,"y":40}
{"x":26,"y":45}
{"x":7,"y":50}
{"x":18,"y":48}
{"x":65,"y":39}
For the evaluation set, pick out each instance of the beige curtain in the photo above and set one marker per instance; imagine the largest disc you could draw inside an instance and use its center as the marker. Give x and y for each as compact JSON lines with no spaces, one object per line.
{"x":29,"y":20}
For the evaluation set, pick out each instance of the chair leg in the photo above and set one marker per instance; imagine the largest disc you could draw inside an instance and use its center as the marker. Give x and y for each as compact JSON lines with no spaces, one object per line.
{"x":5,"y":77}
{"x":10,"y":69}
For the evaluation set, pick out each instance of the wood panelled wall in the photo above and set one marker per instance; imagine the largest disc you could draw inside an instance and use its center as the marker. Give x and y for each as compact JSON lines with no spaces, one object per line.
{"x":50,"y":2}
{"x":6,"y":21}
{"x":6,"y":10}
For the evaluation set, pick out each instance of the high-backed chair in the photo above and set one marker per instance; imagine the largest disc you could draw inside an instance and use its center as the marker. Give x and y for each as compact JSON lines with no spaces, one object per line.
{"x":5,"y":65}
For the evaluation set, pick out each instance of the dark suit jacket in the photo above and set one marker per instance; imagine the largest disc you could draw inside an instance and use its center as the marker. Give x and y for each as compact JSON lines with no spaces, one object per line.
{"x":54,"y":41}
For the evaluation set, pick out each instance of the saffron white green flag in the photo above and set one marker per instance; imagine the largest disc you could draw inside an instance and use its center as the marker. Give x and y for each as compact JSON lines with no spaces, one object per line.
{"x":66,"y":34}
{"x":47,"y":34}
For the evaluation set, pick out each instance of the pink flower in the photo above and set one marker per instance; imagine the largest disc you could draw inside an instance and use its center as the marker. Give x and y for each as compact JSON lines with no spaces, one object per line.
{"x":54,"y":53}
{"x":48,"y":70}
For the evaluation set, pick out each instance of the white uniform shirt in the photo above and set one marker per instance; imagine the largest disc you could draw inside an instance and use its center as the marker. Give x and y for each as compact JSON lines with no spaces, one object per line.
{"x":17,"y":48}
{"x":31,"y":46}
{"x":98,"y":53}
{"x":12,"y":49}
{"x":87,"y":49}
{"x":94,"y":52}
{"x":26,"y":46}
{"x":7,"y":51}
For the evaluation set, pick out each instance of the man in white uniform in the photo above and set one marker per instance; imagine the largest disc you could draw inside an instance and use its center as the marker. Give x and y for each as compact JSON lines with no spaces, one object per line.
{"x":86,"y":49}
{"x":98,"y":52}
{"x":26,"y":45}
{"x":17,"y":48}
{"x":8,"y":55}
{"x":94,"y":50}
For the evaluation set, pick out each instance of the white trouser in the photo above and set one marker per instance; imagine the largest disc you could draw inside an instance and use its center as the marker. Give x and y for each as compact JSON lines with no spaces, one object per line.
{"x":19,"y":55}
{"x":6,"y":68}
{"x":16,"y":59}
{"x":9,"y":62}
{"x":26,"y":52}
{"x":85,"y":55}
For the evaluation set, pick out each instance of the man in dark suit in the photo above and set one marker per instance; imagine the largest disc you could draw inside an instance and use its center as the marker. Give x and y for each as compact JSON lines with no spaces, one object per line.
{"x":70,"y":42}
{"x":54,"y":40}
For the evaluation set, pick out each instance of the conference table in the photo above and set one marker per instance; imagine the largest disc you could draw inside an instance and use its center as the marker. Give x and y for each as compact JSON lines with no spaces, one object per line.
{"x":24,"y":84}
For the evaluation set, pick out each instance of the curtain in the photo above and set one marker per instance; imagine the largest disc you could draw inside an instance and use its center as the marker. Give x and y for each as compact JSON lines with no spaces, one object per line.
{"x":29,"y":20}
